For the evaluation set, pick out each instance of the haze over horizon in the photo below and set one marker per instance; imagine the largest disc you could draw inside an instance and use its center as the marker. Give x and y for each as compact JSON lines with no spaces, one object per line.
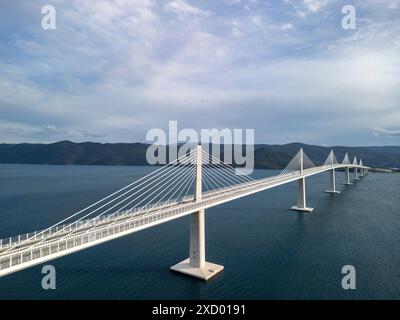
{"x":181,"y":142}
{"x":112,"y":70}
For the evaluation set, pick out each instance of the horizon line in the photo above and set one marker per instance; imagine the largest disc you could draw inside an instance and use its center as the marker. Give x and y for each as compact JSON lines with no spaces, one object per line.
{"x":219,"y":144}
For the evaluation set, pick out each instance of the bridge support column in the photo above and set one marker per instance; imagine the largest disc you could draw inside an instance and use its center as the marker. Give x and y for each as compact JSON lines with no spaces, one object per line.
{"x":332,"y":184}
{"x":301,"y":197}
{"x":347,"y":176}
{"x":197,"y":251}
{"x":356,"y":174}
{"x":196,"y":265}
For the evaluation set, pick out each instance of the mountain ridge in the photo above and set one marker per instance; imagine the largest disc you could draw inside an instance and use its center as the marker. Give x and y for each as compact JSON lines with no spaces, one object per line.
{"x":266,"y":156}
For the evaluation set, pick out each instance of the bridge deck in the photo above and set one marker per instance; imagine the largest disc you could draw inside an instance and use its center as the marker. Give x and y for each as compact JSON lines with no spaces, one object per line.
{"x":23,"y":254}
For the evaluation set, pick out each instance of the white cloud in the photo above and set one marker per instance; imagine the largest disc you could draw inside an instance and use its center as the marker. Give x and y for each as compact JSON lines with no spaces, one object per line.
{"x":17,"y":133}
{"x":117,"y":68}
{"x":301,"y":14}
{"x":306,"y":7}
{"x":182,"y":9}
{"x":315,"y":5}
{"x":387,"y":133}
{"x":391,"y":4}
{"x":287,"y":26}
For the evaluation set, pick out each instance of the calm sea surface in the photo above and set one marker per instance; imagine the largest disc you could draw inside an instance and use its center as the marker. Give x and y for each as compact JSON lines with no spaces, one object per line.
{"x":268,"y":251}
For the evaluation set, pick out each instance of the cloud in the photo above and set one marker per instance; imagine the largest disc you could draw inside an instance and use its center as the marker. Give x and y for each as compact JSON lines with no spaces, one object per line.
{"x":301,"y":13}
{"x":391,"y":4}
{"x":183,"y":10}
{"x":315,"y":5}
{"x":306,"y":7}
{"x":287,"y":26}
{"x":114,"y":69}
{"x":387,"y":133}
{"x":52,"y":131}
{"x":46,"y":133}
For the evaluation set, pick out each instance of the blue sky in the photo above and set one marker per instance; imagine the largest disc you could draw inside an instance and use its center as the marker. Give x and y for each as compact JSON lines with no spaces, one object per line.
{"x":112,"y":70}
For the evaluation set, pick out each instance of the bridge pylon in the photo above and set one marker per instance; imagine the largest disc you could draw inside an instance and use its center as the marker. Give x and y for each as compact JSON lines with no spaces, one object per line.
{"x":346,"y":161}
{"x":301,"y":195}
{"x":361,"y":169}
{"x":196,"y":265}
{"x":332,"y":176}
{"x":355,"y":163}
{"x":347,"y":176}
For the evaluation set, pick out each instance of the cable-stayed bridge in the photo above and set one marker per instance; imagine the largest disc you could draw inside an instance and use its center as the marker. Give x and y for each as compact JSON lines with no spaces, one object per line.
{"x":187,"y":186}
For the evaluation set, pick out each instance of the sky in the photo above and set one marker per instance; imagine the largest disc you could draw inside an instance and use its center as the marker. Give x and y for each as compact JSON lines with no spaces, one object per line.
{"x":113,"y":70}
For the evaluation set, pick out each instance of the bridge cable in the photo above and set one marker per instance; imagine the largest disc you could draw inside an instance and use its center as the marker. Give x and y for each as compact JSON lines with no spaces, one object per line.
{"x":149,"y":177}
{"x":176,"y":177}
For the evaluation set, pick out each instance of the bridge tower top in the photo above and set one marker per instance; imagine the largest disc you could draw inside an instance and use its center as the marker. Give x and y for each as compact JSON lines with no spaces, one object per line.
{"x":331,"y":160}
{"x":301,"y":160}
{"x":346,"y":159}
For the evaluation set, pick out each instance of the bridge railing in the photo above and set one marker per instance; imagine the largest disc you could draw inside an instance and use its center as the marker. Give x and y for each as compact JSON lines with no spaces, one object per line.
{"x":38,"y":235}
{"x":19,"y":256}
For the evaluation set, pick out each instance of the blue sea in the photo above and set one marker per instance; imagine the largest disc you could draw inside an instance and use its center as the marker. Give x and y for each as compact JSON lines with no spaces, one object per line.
{"x":268,"y":251}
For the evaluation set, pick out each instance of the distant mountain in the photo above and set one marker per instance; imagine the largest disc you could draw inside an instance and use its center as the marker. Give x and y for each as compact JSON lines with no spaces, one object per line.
{"x":67,"y":152}
{"x":265,"y":156}
{"x":385,"y":157}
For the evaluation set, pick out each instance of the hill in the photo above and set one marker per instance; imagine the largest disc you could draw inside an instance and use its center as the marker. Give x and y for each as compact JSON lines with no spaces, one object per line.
{"x":265,"y":156}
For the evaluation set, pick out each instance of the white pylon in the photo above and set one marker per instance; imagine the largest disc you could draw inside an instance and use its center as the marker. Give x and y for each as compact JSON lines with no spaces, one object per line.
{"x":355,"y":163}
{"x":301,"y":196}
{"x":332,"y":177}
{"x":361,"y":169}
{"x":346,"y":161}
{"x":196,"y":264}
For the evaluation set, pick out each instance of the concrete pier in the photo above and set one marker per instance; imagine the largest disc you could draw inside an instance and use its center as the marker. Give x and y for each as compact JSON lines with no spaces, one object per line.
{"x":195,"y":265}
{"x":332,"y":183}
{"x":347,"y":176}
{"x":301,"y":198}
{"x":356,"y":174}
